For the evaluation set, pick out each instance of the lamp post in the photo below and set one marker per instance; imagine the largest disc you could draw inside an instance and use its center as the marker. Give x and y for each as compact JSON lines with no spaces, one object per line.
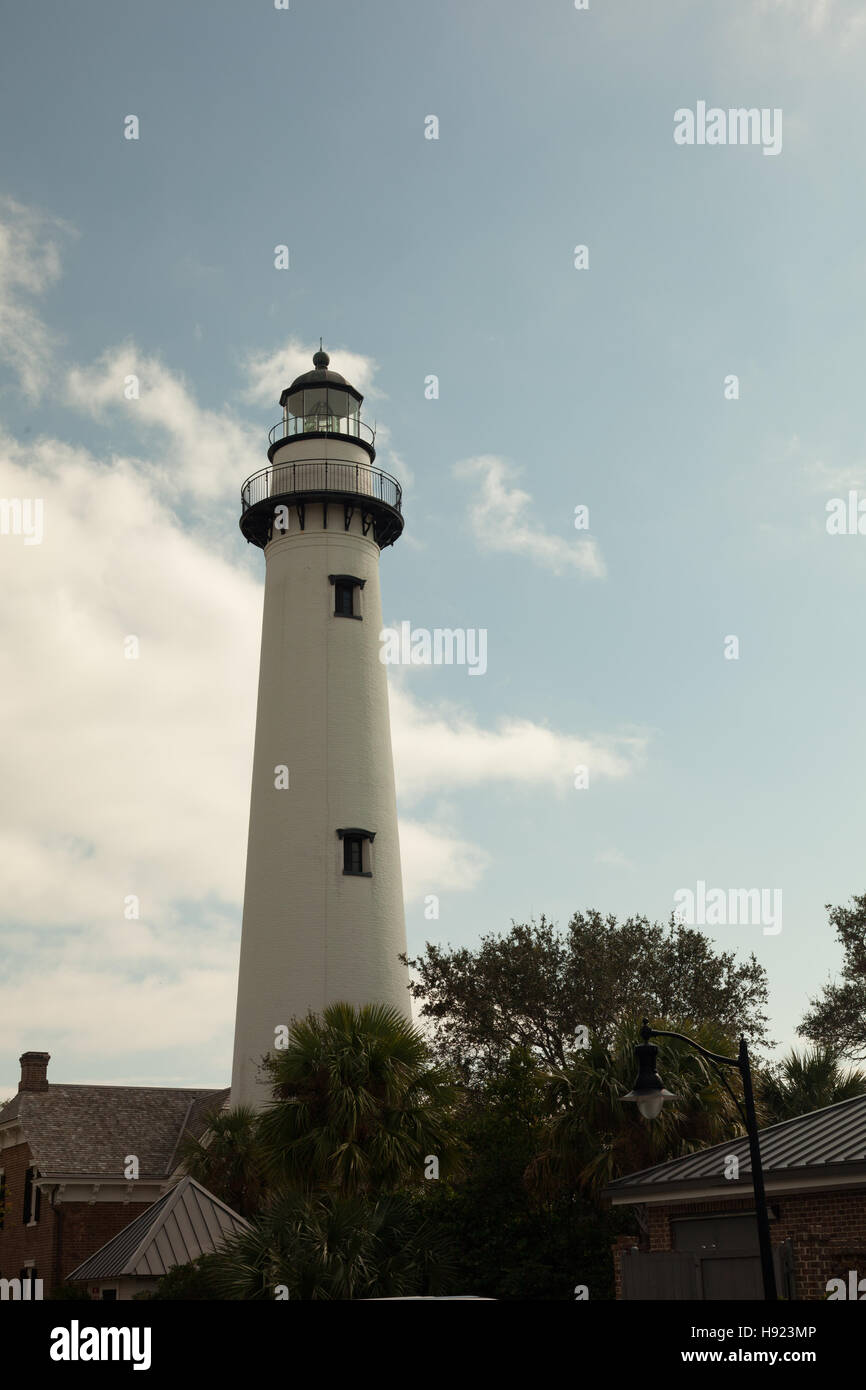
{"x":650,"y":1095}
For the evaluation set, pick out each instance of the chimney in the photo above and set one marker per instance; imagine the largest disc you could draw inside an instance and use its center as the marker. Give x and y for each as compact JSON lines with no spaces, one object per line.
{"x":34,"y":1071}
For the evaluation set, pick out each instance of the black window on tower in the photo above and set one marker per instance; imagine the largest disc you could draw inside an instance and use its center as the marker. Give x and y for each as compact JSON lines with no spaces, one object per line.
{"x":356,"y":852}
{"x":347,"y":588}
{"x":344,"y":601}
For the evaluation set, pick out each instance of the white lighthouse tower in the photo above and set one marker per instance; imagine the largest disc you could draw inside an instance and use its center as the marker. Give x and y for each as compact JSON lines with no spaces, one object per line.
{"x":323,"y":903}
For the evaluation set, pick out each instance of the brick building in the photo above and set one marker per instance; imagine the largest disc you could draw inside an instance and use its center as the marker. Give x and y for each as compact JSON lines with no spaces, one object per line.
{"x":699,"y":1236}
{"x":79,"y":1163}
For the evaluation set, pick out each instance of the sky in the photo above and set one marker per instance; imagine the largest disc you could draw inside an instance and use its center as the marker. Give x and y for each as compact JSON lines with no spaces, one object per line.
{"x":692,"y":378}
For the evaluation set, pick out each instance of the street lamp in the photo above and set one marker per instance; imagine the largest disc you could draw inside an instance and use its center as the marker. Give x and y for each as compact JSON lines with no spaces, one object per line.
{"x":650,"y":1095}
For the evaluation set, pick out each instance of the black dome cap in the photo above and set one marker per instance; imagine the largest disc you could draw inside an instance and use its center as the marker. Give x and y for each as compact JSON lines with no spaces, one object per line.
{"x":320,"y":376}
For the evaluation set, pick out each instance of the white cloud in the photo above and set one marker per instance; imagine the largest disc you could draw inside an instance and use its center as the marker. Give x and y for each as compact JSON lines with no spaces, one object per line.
{"x":828,"y":31}
{"x":123,"y":777}
{"x":814,"y":14}
{"x":103,"y":744}
{"x":269,"y":373}
{"x":842,"y":18}
{"x":500,"y":521}
{"x":202,"y":452}
{"x":29,"y":265}
{"x":443,"y":747}
{"x":835,"y":478}
{"x":613,"y":859}
{"x":435,"y":859}
{"x":92,"y":1001}
{"x":387,"y":458}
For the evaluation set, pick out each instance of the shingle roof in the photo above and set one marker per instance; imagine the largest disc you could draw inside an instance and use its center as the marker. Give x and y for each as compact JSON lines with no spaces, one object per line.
{"x":187,"y":1222}
{"x":823,"y":1140}
{"x":92,"y":1129}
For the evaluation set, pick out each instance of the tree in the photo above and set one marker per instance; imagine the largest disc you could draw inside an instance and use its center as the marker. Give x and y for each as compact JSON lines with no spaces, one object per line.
{"x":836,"y":1018}
{"x":357,"y":1107}
{"x":327,"y":1246}
{"x":193,"y":1282}
{"x":229,"y":1159}
{"x":536,"y":987}
{"x":510,"y":1241}
{"x":804,"y":1082}
{"x":357,"y":1114}
{"x":593,"y":1135}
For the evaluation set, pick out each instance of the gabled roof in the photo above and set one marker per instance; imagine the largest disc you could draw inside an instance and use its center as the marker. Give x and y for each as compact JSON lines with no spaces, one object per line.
{"x":92,"y":1129}
{"x":825,"y":1143}
{"x":187,"y":1222}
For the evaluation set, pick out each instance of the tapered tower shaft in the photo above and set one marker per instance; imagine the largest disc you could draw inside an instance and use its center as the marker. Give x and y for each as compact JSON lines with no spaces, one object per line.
{"x":323,"y":903}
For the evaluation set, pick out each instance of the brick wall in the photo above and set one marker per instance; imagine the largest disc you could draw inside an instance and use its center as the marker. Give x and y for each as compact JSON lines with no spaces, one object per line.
{"x":621,"y":1244}
{"x":19,"y":1242}
{"x":827,"y":1231}
{"x":63,"y":1237}
{"x":86,"y":1227}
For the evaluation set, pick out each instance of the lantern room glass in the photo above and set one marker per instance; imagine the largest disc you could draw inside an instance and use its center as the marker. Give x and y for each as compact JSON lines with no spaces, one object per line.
{"x":322,"y":410}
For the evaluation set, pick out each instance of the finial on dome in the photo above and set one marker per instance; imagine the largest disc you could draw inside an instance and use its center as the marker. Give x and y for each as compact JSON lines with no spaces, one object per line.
{"x":320,"y":358}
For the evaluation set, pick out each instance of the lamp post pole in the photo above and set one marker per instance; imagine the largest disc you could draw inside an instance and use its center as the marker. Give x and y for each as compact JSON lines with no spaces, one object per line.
{"x":763,"y":1220}
{"x":649,"y":1094}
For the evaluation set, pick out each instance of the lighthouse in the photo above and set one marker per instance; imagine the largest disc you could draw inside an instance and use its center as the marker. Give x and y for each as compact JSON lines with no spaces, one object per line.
{"x":323,"y":900}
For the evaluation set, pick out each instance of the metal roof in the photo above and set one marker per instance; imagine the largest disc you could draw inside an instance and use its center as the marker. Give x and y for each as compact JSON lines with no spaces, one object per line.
{"x":187,"y":1222}
{"x":320,"y":376}
{"x":819,"y":1142}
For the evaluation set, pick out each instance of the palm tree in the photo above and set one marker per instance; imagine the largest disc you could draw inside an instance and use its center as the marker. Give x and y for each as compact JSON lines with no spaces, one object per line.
{"x":594,"y":1136}
{"x":357,"y":1108}
{"x":807,"y":1081}
{"x":229,"y":1159}
{"x":331,"y":1247}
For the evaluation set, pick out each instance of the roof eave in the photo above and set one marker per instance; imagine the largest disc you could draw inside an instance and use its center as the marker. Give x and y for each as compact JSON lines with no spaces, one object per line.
{"x":312,"y":379}
{"x":793,"y":1180}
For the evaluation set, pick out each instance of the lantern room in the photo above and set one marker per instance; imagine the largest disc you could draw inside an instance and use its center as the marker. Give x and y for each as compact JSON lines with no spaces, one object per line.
{"x":322,"y":402}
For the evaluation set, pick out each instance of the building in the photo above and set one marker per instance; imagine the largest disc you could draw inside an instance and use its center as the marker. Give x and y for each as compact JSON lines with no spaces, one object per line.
{"x":65,"y":1156}
{"x":323,"y":900}
{"x":187,"y":1222}
{"x":697,"y":1214}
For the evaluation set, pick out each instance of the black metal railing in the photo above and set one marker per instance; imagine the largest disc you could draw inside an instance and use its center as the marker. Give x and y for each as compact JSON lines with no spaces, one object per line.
{"x":348,"y":425}
{"x":313,"y":476}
